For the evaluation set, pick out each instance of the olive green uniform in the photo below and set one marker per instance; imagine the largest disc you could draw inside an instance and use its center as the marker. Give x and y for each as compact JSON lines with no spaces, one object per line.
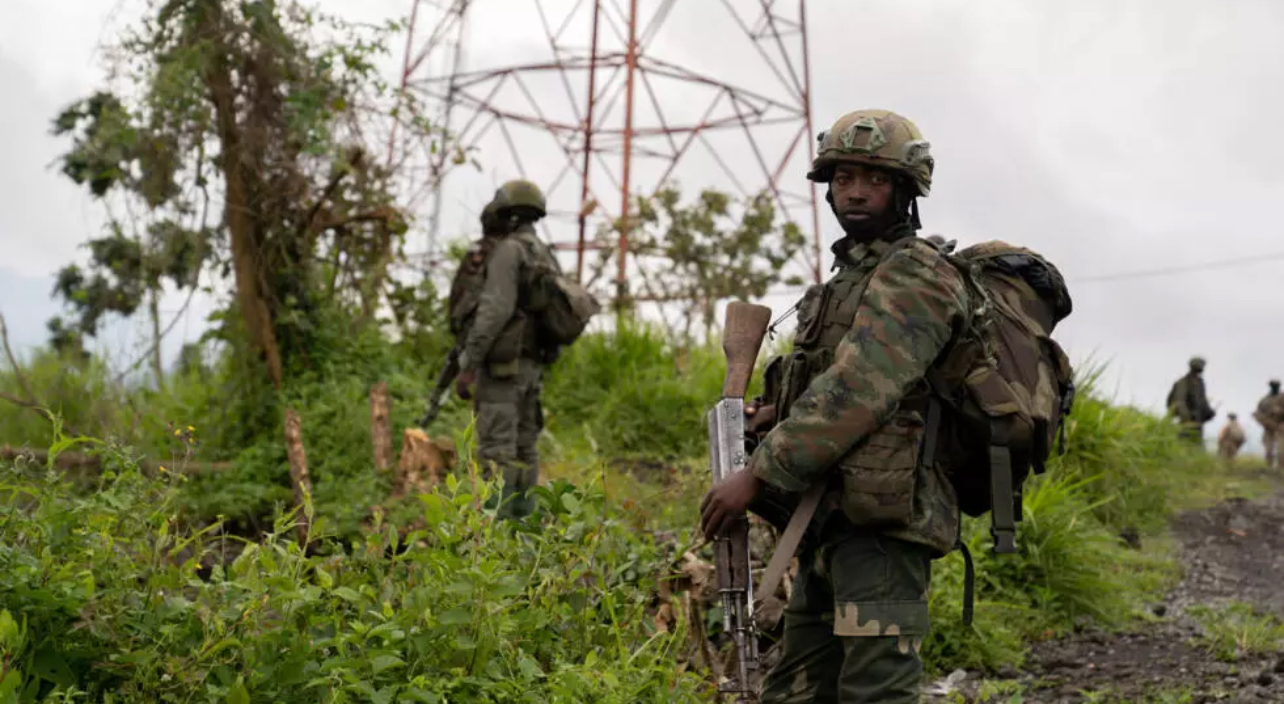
{"x":510,"y":374}
{"x":1188,"y":402}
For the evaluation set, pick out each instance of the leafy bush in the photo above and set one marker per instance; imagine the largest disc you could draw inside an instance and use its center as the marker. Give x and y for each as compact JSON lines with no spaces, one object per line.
{"x":103,"y":595}
{"x":625,"y":421}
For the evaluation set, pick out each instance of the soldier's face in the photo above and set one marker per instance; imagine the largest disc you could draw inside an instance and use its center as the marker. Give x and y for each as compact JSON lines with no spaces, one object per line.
{"x":861,"y":193}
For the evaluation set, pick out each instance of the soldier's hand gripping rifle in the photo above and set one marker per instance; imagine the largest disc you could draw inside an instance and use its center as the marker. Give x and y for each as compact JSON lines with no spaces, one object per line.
{"x":442,"y":389}
{"x":742,"y":337}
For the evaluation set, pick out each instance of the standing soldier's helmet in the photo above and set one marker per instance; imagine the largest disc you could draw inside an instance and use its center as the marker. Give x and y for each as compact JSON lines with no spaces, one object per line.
{"x":1275,"y":384}
{"x":520,"y":198}
{"x":1197,"y":364}
{"x":878,"y":138}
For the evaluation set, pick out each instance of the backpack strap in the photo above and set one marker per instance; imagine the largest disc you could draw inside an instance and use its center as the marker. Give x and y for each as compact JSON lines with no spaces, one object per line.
{"x":1002,"y":510}
{"x":969,"y":577}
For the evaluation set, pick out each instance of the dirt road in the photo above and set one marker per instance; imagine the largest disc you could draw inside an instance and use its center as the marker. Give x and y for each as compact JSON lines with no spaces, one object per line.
{"x":1233,"y":552}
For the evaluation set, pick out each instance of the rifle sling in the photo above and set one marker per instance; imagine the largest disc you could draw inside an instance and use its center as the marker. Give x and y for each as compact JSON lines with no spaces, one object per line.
{"x":789,"y":540}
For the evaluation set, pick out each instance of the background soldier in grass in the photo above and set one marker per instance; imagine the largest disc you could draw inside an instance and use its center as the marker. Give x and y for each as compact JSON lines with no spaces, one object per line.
{"x":1188,"y":402}
{"x":858,"y":614}
{"x":503,"y":354}
{"x":1230,"y":439}
{"x":1270,"y":415}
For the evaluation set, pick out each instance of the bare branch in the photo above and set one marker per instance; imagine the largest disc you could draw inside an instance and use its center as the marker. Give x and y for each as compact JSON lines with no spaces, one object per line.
{"x":13,"y":362}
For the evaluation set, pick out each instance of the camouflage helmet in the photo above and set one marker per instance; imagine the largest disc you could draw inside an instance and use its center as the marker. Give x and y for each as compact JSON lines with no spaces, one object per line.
{"x":878,"y":138}
{"x":520,"y":193}
{"x":1197,"y":363}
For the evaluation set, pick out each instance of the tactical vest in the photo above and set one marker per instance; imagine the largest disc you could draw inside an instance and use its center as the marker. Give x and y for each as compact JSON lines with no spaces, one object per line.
{"x":876,"y":478}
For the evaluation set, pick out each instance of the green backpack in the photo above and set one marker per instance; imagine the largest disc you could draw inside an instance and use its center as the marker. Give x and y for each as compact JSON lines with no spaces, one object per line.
{"x":559,"y":306}
{"x":1006,"y":386}
{"x":1001,"y":395}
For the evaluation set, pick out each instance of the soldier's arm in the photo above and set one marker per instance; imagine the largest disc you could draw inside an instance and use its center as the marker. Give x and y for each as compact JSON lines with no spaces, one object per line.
{"x":915,"y":303}
{"x":497,"y":304}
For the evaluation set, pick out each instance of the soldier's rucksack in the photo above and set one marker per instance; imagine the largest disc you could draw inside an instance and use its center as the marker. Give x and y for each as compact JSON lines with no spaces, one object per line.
{"x":1006,"y":386}
{"x":558,"y":306}
{"x":561,"y":307}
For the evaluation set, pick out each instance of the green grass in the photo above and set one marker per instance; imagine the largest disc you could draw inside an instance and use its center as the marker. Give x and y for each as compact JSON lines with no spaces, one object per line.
{"x":625,"y":423}
{"x":1236,"y":629}
{"x":100,"y":596}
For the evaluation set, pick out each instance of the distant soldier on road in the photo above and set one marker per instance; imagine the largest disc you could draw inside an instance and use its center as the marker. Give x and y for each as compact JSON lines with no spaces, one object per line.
{"x":1231,"y":439}
{"x":1270,"y":415}
{"x":1188,"y":402}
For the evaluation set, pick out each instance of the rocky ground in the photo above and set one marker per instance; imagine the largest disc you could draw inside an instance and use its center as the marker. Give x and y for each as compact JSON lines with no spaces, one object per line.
{"x":1231,"y":552}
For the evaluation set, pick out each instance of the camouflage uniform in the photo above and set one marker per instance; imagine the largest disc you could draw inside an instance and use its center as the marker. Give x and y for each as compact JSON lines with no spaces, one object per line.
{"x":1188,"y":402}
{"x":1270,"y":415}
{"x":1230,"y":439}
{"x":510,"y":362}
{"x":858,"y":614}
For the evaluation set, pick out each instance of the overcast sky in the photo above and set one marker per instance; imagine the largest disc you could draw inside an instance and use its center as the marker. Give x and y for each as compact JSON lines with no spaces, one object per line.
{"x":1112,"y":137}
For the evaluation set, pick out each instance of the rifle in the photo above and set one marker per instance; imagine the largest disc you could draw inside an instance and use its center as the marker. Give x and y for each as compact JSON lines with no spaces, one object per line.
{"x":442,"y":389}
{"x":745,"y":327}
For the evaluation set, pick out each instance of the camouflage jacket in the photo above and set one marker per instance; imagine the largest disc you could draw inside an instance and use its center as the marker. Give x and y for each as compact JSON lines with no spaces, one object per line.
{"x":499,"y":334}
{"x":854,"y":424}
{"x":1270,"y":411}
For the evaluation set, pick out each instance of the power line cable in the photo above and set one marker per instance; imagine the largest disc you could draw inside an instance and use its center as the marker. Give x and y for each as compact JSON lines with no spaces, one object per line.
{"x":1220,"y":264}
{"x":1127,"y":275}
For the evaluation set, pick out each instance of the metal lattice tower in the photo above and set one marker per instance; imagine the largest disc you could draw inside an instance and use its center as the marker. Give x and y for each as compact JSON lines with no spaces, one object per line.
{"x":600,"y":101}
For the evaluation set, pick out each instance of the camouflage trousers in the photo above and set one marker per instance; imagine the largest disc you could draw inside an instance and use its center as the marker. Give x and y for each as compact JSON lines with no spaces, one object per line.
{"x":509,"y":421}
{"x":1228,"y":451}
{"x":1270,"y":440}
{"x":854,"y":624}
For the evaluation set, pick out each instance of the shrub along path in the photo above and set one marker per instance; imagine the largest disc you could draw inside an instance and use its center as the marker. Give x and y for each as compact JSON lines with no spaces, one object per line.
{"x":1218,"y":636}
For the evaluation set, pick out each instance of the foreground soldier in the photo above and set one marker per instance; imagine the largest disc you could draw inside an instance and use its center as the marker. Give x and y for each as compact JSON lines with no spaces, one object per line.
{"x":1188,"y":402}
{"x":502,"y":352}
{"x":1230,"y":439}
{"x":858,"y":614}
{"x":1270,"y":415}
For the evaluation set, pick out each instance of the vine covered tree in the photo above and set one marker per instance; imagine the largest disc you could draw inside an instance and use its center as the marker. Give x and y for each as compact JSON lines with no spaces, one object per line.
{"x":242,"y":151}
